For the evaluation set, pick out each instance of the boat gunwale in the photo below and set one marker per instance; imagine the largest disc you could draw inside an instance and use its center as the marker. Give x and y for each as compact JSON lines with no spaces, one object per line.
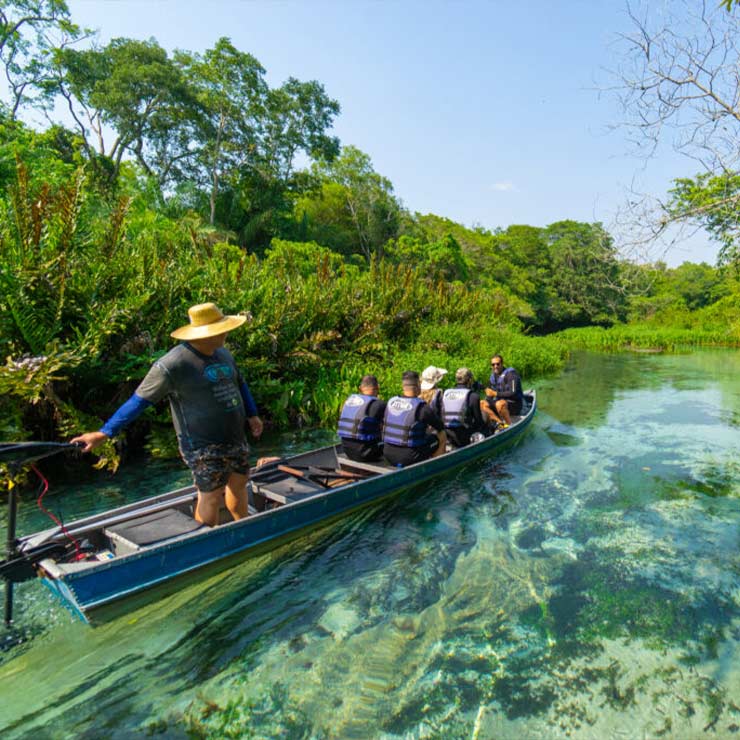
{"x":104,"y":518}
{"x":95,"y":568}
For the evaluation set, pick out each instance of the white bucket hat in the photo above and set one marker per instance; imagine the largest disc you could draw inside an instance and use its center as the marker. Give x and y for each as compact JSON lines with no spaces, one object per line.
{"x":431,"y":376}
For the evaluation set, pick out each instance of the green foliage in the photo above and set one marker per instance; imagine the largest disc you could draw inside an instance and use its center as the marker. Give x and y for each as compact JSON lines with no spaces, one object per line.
{"x":586,"y":279}
{"x":440,"y":260}
{"x":302,"y":259}
{"x":565,"y":274}
{"x":710,"y":201}
{"x":199,"y":198}
{"x":648,"y":337}
{"x":354,"y":209}
{"x":92,"y":286}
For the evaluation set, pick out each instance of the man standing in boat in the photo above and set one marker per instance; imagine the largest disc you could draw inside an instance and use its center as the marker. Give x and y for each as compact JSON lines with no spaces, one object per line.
{"x":504,"y":393}
{"x":406,"y":439}
{"x":361,"y":422}
{"x":210,"y":404}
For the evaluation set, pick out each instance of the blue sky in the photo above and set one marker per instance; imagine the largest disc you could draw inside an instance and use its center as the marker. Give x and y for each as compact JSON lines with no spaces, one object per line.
{"x":485,"y":112}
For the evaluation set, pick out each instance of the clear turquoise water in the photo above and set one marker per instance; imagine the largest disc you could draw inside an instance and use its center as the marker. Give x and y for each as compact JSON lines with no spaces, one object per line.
{"x":585,"y":583}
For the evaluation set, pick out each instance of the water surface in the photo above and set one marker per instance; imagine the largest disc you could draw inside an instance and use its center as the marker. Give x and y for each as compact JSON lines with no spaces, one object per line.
{"x":585,"y":583}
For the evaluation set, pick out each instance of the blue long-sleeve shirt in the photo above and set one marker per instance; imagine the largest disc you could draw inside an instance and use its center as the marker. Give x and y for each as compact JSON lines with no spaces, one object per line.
{"x":136,"y":405}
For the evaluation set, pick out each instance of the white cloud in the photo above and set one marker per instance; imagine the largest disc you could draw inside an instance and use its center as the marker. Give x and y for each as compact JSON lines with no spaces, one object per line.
{"x":504,"y":187}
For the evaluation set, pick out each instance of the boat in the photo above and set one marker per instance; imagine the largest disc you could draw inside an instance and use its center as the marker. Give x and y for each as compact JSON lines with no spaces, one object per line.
{"x":109,"y":558}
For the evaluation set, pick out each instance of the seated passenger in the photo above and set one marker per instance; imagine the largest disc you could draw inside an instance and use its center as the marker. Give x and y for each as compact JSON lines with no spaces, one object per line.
{"x":407,"y":418}
{"x":429,"y":391}
{"x":505,"y":390}
{"x":462,"y":409}
{"x":361,"y":422}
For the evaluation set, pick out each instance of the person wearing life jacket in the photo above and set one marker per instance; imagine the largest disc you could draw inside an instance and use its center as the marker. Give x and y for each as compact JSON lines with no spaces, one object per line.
{"x":361,"y":422}
{"x":406,"y":436}
{"x":429,"y":391}
{"x":462,"y":411}
{"x":505,"y":390}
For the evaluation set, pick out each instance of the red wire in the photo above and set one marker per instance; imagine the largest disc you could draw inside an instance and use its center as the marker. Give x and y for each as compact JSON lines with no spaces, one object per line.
{"x":79,"y":555}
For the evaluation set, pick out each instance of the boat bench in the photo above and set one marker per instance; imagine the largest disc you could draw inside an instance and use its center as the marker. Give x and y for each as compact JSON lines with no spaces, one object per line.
{"x":286,"y":490}
{"x":134,"y":534}
{"x":377,"y":468}
{"x":283,"y":488}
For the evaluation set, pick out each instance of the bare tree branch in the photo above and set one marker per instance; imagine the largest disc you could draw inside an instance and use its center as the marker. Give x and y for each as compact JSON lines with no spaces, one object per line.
{"x":680,"y":83}
{"x":678,"y":86}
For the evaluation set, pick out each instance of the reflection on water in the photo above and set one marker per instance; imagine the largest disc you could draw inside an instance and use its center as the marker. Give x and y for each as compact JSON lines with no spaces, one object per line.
{"x":583,"y":584}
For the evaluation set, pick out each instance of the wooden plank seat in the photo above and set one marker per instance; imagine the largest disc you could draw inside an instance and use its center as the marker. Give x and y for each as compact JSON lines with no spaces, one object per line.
{"x":378,"y":468}
{"x":284,"y":484}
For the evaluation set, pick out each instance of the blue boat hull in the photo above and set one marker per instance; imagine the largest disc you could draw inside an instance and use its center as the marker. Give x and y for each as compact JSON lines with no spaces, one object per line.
{"x":91,"y":589}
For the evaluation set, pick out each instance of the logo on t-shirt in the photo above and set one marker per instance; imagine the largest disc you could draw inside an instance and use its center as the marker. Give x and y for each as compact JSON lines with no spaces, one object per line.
{"x":217,"y":372}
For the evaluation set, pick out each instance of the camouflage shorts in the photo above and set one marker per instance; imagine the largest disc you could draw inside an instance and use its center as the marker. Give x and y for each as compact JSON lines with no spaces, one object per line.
{"x":211,"y":466}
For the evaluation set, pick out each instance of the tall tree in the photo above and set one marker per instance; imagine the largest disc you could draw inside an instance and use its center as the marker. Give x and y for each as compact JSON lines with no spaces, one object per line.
{"x":251,"y":139}
{"x":233,"y":94}
{"x":357,"y":197}
{"x":30,"y":31}
{"x":585,"y":274}
{"x":298,"y":118}
{"x":134,"y":89}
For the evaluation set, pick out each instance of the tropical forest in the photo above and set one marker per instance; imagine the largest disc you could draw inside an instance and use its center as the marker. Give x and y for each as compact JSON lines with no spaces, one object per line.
{"x":574,"y":573}
{"x":179,"y":178}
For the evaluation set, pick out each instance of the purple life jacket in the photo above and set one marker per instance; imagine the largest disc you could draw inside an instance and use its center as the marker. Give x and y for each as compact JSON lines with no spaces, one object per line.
{"x":401,"y":426}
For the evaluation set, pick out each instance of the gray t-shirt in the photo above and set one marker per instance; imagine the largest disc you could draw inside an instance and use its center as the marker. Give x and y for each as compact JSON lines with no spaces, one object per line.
{"x":204,"y":394}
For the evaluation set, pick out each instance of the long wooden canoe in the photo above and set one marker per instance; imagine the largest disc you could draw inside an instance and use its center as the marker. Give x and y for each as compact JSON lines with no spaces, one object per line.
{"x":134,"y":548}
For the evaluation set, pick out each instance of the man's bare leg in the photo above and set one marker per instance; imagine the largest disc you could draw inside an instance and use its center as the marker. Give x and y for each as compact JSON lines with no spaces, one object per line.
{"x":234,"y":493}
{"x":208,"y":506}
{"x":488,"y":413}
{"x":237,"y":501}
{"x":502,"y":409}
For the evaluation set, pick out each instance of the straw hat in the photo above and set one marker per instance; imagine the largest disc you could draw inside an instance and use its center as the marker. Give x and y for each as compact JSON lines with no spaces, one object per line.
{"x":431,"y":376}
{"x":206,"y":320}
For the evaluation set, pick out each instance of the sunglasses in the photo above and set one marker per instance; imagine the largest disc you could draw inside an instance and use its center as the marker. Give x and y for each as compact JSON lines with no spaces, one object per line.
{"x":495,"y":364}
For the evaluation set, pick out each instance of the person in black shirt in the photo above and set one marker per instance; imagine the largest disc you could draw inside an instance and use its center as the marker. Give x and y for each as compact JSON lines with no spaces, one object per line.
{"x":361,"y":422}
{"x":406,"y":439}
{"x":504,"y":393}
{"x":210,"y":405}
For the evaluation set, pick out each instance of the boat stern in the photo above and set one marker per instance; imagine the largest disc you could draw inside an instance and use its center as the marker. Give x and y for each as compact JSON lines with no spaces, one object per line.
{"x":56,"y":584}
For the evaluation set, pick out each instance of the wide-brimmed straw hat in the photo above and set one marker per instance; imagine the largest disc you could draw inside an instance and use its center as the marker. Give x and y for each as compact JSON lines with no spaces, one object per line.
{"x":431,"y":376}
{"x":206,"y":320}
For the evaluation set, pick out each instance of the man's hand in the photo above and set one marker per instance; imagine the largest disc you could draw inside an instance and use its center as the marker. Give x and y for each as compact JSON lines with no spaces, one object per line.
{"x":90,"y":440}
{"x":491,"y":393}
{"x":255,"y":426}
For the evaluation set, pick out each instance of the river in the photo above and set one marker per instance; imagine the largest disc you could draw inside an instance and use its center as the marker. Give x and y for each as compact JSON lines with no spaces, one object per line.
{"x":583,"y":584}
